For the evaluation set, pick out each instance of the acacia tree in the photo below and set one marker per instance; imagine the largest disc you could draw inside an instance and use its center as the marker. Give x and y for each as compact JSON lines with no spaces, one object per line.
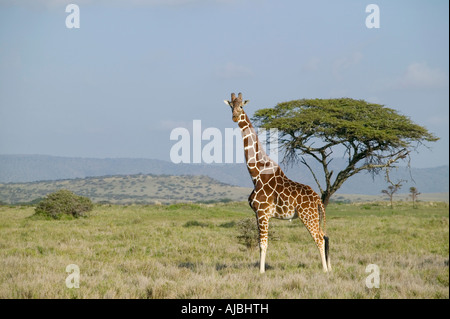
{"x":390,"y":191}
{"x":374,"y":137}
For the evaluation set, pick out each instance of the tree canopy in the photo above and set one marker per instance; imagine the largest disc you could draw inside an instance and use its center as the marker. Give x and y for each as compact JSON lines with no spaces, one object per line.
{"x":374,"y":137}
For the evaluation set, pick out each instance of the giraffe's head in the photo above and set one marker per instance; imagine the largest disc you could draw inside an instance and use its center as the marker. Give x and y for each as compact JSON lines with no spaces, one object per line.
{"x":236,"y":105}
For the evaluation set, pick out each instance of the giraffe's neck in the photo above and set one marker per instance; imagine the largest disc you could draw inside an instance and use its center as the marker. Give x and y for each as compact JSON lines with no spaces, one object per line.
{"x":258,"y":162}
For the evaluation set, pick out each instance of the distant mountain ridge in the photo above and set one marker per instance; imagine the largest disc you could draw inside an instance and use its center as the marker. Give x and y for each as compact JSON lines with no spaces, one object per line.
{"x":31,"y":168}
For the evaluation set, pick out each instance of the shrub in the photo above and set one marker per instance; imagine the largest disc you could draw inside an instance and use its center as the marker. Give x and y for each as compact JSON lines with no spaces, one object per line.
{"x":228,"y":225}
{"x":192,"y":223}
{"x":249,"y":234}
{"x":64,"y":203}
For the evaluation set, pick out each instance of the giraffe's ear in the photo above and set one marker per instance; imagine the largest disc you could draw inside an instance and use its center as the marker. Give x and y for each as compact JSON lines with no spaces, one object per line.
{"x":227,"y":102}
{"x":245,"y":102}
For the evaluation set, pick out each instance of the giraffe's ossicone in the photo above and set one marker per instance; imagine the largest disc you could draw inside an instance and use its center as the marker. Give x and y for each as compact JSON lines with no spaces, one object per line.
{"x":275,"y":195}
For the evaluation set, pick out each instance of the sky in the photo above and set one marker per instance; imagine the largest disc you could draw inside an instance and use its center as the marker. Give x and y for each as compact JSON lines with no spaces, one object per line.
{"x":134,"y":71}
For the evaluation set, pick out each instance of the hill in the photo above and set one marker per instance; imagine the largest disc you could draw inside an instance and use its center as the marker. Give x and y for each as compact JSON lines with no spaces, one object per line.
{"x":31,"y":168}
{"x":130,"y":189}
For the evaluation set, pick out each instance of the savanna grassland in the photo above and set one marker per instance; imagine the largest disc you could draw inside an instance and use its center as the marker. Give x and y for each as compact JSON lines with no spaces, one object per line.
{"x":193,"y":251}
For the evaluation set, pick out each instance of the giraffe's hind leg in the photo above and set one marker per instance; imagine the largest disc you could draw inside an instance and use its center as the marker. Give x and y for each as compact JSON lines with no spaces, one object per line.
{"x":313,"y":227}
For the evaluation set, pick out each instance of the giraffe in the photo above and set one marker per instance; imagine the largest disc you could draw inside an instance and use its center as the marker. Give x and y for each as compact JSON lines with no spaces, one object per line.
{"x":275,"y":195}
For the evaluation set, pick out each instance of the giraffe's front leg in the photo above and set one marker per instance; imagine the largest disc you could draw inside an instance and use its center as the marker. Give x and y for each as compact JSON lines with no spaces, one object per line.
{"x":263,"y":228}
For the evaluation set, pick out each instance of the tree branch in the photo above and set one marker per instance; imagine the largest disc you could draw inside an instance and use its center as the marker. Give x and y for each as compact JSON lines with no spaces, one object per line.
{"x":303,"y":161}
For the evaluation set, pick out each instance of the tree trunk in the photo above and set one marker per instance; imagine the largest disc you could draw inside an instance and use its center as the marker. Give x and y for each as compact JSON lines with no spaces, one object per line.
{"x":326,"y":198}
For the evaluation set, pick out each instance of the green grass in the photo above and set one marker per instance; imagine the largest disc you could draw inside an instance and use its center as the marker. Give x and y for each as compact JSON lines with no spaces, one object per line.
{"x":193,"y":251}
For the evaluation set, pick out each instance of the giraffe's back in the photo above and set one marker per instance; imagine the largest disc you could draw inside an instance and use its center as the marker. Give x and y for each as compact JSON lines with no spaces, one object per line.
{"x":285,"y":198}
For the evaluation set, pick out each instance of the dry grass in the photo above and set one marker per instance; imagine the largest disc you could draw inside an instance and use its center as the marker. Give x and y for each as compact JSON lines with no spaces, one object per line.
{"x":192,"y":251}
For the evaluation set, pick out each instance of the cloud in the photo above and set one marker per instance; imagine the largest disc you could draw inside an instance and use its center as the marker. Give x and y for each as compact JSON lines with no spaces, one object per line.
{"x":311,"y":65}
{"x":420,"y":75}
{"x":233,"y":71}
{"x":342,"y":64}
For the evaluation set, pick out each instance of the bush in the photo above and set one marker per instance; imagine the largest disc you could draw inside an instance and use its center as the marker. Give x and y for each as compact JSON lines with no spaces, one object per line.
{"x":192,"y":223}
{"x":64,"y":203}
{"x":249,"y":234}
{"x":228,"y":225}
